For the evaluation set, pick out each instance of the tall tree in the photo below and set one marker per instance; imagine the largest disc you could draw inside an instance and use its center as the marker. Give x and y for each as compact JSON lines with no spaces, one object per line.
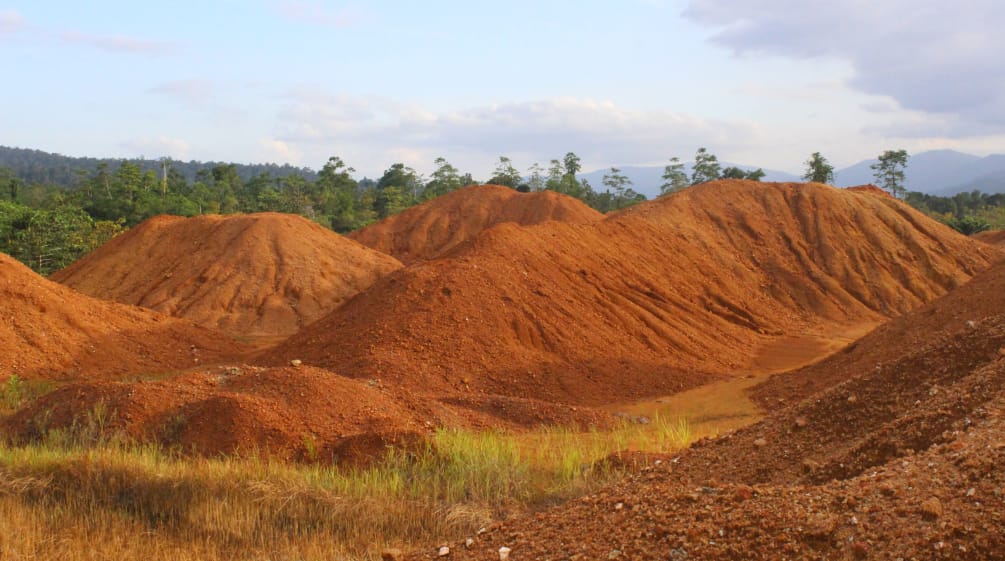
{"x":889,"y":171}
{"x":506,"y":174}
{"x":818,"y":170}
{"x":444,"y":180}
{"x":674,"y":177}
{"x":337,"y":195}
{"x":706,"y":167}
{"x":617,"y":182}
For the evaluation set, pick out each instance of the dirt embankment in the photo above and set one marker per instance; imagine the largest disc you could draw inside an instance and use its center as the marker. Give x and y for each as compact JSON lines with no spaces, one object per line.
{"x":904,"y":458}
{"x":428,"y":230}
{"x":52,"y":332}
{"x":996,"y":237}
{"x":258,"y":276}
{"x":662,"y":297}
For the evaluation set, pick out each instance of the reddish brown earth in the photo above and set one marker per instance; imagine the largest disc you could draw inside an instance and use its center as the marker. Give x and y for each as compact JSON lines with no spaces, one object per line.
{"x":256,"y":275}
{"x":665,"y":296}
{"x":52,"y":332}
{"x":902,"y":456}
{"x":996,"y":237}
{"x":428,"y":230}
{"x":292,"y":413}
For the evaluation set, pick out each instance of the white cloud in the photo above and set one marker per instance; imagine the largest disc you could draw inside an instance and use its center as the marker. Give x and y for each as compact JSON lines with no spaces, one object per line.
{"x":600,"y":132}
{"x":120,"y":43}
{"x":10,"y":22}
{"x":155,"y":147}
{"x":272,"y":150}
{"x":928,"y":55}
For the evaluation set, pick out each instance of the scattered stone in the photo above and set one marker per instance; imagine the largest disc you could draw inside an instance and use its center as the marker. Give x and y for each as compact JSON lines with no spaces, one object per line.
{"x":852,"y":399}
{"x":971,"y":324}
{"x":391,"y":554}
{"x":614,"y":554}
{"x":469,"y":542}
{"x":444,"y":551}
{"x":760,"y":442}
{"x":504,"y":553}
{"x":860,"y":550}
{"x":296,"y":362}
{"x":801,"y":422}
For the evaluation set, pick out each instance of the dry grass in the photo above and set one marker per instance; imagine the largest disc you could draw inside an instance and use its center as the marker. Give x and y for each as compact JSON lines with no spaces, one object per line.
{"x":79,"y":495}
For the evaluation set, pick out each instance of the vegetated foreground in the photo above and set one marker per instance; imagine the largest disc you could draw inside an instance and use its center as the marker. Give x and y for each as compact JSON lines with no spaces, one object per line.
{"x":258,"y":276}
{"x":900,"y":454}
{"x":515,"y":327}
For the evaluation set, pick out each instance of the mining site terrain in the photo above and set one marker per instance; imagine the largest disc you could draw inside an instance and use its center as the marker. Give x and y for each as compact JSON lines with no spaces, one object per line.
{"x":840,"y":356}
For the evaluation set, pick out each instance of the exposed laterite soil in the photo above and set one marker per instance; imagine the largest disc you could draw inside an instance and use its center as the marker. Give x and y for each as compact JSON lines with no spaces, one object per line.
{"x":426,"y":231}
{"x":257,"y":276}
{"x":996,"y":237}
{"x":663,"y":297}
{"x":48,"y":331}
{"x":904,"y":458}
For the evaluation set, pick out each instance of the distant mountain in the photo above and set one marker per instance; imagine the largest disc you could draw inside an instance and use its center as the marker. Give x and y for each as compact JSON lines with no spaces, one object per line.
{"x":938,"y":172}
{"x":647,"y":179}
{"x":36,"y":166}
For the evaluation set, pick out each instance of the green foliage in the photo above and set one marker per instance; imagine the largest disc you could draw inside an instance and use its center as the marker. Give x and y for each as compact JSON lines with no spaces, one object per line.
{"x":674,"y":177}
{"x":706,"y":167}
{"x":734,"y":172}
{"x":506,"y":174}
{"x":889,"y":171}
{"x":818,"y":170}
{"x":969,"y":225}
{"x":13,"y":392}
{"x":49,"y":239}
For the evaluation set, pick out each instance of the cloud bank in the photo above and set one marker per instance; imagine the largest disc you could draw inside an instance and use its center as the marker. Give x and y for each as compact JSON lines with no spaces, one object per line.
{"x":929,"y":55}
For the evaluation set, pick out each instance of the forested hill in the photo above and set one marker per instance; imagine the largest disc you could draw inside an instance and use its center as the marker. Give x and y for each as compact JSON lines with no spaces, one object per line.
{"x":36,"y":166}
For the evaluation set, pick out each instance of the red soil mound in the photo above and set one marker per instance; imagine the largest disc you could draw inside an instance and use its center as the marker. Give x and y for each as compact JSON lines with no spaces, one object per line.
{"x":667,"y":292}
{"x":258,"y":275}
{"x":428,"y":230}
{"x":996,"y":237}
{"x":50,"y":331}
{"x":286,"y":412}
{"x":871,"y":189}
{"x":905,"y":458}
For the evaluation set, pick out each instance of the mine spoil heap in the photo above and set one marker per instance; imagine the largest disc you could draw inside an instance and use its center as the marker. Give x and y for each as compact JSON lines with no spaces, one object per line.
{"x":50,"y":331}
{"x":900,"y":453}
{"x":428,"y":230}
{"x":665,"y":296}
{"x":255,"y":276}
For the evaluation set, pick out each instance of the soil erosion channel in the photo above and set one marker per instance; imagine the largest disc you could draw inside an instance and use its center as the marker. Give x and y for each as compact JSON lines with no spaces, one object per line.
{"x":726,"y":405}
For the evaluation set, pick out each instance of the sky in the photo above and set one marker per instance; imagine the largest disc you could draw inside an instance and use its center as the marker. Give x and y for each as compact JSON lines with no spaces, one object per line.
{"x":618,"y":82}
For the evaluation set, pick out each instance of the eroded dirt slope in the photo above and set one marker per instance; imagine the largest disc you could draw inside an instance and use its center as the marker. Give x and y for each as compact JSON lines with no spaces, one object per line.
{"x":256,"y":275}
{"x":428,"y":230}
{"x":664,"y":296}
{"x":50,"y":331}
{"x":996,"y":237}
{"x":905,"y":458}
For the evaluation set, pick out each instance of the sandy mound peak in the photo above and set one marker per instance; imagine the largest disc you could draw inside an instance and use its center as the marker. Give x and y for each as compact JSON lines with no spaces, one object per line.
{"x":258,"y":275}
{"x":428,"y":230}
{"x":996,"y":237}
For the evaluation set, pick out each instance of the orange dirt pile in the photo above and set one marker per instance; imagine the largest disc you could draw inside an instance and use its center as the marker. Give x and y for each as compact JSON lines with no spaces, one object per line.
{"x":50,"y":331}
{"x":287,"y":413}
{"x":654,"y":300}
{"x":290,"y":413}
{"x":428,"y":230}
{"x":903,"y":458}
{"x":996,"y":237}
{"x":871,"y":189}
{"x":258,"y":275}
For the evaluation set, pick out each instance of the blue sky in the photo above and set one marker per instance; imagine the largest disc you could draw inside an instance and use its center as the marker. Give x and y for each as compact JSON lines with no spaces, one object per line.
{"x":629,"y":82}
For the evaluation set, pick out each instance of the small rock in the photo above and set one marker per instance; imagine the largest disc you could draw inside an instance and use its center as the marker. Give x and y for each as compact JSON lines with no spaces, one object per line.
{"x":760,"y":442}
{"x":801,"y":422}
{"x":504,"y":553}
{"x":444,"y":551}
{"x":614,"y":554}
{"x":296,"y":362}
{"x":931,"y":508}
{"x":392,"y":554}
{"x":971,"y":324}
{"x":860,"y":550}
{"x":469,"y":542}
{"x":852,"y":399}
{"x":619,"y":506}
